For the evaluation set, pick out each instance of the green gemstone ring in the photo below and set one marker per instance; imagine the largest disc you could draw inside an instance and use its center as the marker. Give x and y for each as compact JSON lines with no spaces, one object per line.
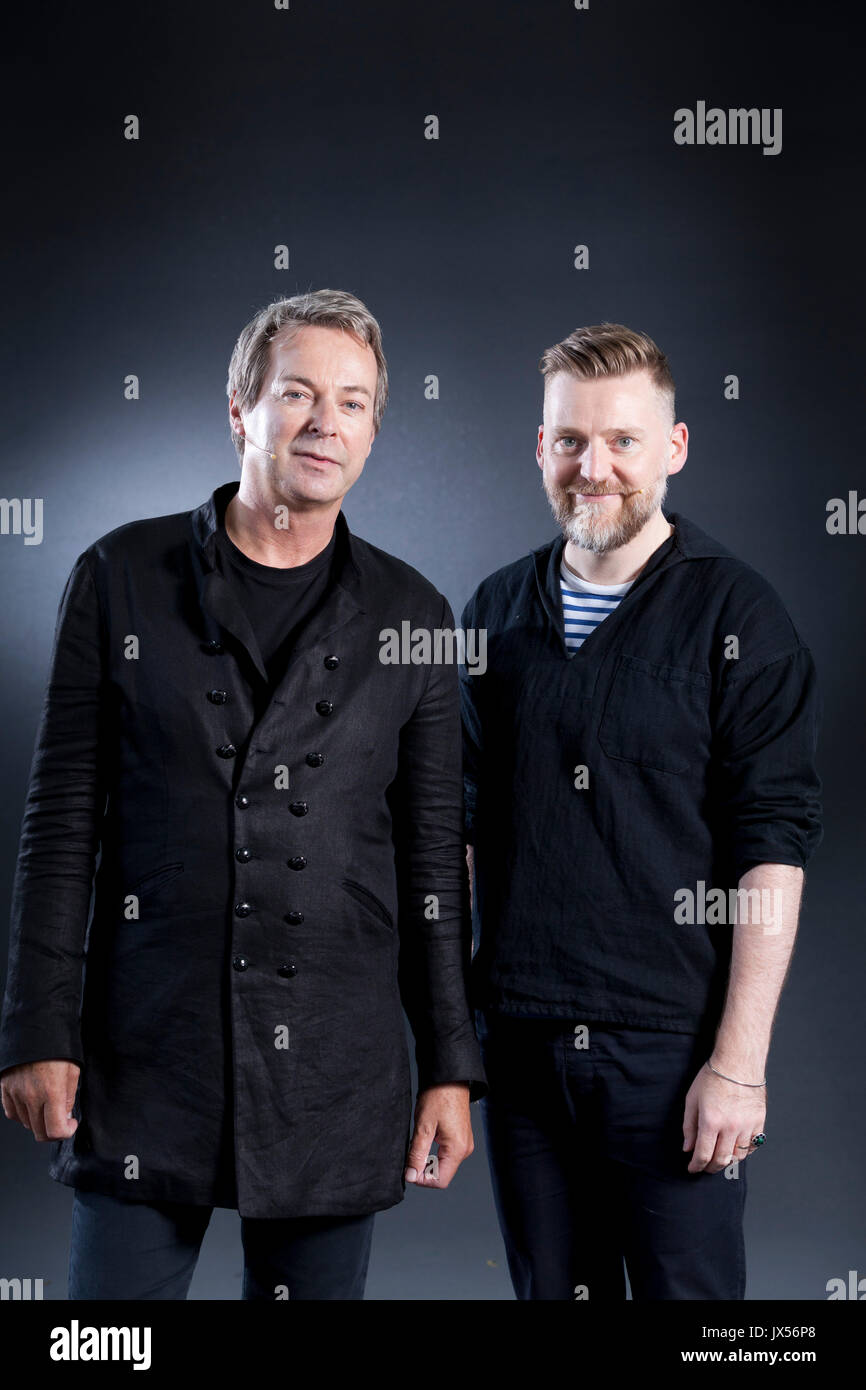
{"x":757,"y":1141}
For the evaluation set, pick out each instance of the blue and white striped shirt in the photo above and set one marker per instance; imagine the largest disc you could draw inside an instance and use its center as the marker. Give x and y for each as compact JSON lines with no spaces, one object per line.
{"x":585,"y":605}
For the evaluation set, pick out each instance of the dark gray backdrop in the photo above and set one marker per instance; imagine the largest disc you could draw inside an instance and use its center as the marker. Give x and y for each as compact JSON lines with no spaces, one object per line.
{"x":306,"y":127}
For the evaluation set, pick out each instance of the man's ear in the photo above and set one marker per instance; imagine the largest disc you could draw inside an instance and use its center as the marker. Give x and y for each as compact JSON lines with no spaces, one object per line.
{"x":680,"y":441}
{"x":539,"y":448}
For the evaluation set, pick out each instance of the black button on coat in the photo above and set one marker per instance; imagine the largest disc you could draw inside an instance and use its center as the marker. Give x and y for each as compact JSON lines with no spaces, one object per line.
{"x":267,"y":894}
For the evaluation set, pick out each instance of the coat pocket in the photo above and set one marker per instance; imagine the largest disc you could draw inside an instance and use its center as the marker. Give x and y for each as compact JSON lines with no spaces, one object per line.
{"x":150,"y":883}
{"x":656,"y":716}
{"x":369,"y":900}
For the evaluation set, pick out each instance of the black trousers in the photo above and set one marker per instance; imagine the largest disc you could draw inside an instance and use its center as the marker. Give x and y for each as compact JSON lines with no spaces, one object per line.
{"x":589,"y":1173}
{"x":149,"y":1250}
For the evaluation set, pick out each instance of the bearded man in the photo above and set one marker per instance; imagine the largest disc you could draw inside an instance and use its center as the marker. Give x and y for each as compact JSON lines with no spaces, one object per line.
{"x":641,"y":802}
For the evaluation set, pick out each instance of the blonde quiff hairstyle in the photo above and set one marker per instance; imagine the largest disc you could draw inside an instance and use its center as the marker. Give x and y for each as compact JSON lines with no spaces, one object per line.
{"x":250,"y":360}
{"x":610,"y":349}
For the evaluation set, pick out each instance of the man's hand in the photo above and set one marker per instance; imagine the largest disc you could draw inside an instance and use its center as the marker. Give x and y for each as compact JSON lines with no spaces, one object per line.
{"x":719,"y":1116}
{"x":441,"y":1114}
{"x":40,"y":1096}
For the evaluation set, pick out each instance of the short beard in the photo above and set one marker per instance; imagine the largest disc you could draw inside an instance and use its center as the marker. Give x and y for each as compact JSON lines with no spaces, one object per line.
{"x":596,"y":533}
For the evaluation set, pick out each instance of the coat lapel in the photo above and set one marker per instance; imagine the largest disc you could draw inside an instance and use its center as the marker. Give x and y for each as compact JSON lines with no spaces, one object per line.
{"x":221,"y":609}
{"x":547,"y":560}
{"x":218,"y":600}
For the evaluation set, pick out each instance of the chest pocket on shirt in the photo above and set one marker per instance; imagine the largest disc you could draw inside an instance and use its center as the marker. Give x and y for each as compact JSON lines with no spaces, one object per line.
{"x":656,"y":716}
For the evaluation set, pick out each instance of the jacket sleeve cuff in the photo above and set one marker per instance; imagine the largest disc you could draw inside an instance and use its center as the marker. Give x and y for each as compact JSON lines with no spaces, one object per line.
{"x":460,"y":1064}
{"x":29,"y":1045}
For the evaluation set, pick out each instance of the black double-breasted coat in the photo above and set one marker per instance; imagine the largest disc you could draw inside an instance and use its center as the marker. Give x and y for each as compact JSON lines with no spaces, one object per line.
{"x":267,"y":894}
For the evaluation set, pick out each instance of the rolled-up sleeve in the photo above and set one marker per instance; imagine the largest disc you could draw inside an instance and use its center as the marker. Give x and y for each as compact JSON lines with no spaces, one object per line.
{"x":766,"y":736}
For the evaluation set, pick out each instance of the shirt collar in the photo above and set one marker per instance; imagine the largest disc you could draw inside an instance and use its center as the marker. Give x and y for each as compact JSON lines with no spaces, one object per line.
{"x":691,"y":542}
{"x":688,"y":542}
{"x":220,"y":607}
{"x":207,"y":518}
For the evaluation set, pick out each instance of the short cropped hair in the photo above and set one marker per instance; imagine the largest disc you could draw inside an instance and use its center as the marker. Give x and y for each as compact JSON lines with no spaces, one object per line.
{"x":610,"y":349}
{"x":250,"y":359}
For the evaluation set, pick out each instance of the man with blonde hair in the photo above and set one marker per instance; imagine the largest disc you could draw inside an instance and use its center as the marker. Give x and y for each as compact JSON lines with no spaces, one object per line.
{"x":641,"y":803}
{"x":276,"y":810}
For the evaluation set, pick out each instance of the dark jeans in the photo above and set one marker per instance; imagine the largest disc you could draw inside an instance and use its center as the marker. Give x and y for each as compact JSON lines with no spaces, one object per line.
{"x":588,"y":1168}
{"x":148,"y":1250}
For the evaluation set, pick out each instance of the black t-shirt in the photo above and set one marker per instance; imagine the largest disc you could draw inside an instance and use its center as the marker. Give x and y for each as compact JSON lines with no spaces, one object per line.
{"x":277,"y":601}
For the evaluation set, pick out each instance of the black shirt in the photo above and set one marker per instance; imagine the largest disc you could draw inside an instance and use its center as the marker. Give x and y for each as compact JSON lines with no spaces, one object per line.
{"x":277,"y":601}
{"x":699,"y":763}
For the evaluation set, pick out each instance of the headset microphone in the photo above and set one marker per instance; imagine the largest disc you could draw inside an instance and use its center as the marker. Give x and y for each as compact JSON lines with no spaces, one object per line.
{"x":258,"y":446}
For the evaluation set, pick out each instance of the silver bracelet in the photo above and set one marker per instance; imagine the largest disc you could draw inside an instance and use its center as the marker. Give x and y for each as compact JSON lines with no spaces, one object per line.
{"x":732,"y":1078}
